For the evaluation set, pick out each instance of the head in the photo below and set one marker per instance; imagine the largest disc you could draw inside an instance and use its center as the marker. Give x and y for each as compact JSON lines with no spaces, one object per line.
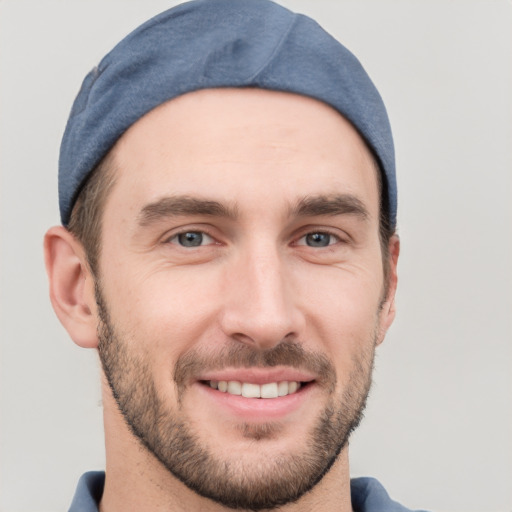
{"x":234,"y":243}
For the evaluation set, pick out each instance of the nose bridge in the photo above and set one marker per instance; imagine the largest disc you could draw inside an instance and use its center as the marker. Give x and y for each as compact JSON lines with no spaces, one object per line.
{"x":259,"y":306}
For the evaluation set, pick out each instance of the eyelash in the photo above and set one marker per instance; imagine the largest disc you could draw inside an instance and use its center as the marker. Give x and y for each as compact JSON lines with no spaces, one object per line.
{"x":201,"y":232}
{"x":337,"y":239}
{"x":174,"y":239}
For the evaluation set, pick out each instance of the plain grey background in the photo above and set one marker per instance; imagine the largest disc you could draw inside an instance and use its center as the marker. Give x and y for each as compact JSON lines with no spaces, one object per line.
{"x":438,"y":426}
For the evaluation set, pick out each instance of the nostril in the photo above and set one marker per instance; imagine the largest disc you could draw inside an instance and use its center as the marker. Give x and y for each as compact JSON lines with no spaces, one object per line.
{"x":243,"y":338}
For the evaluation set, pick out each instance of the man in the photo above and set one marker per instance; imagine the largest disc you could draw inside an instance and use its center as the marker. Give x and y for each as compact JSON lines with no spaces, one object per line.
{"x":228,"y":203}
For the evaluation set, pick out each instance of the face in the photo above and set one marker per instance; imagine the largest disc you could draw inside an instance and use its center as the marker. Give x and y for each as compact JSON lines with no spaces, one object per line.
{"x":240,"y":290}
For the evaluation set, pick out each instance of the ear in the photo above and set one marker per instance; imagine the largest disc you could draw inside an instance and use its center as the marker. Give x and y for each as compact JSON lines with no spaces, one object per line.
{"x":71,"y":286}
{"x":388,"y":311}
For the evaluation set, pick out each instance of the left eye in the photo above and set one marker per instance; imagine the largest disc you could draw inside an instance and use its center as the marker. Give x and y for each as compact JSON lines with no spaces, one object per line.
{"x":191,"y":239}
{"x":318,"y":239}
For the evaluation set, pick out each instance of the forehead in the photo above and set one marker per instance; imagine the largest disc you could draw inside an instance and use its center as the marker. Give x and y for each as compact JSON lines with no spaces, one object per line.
{"x":230,"y":144}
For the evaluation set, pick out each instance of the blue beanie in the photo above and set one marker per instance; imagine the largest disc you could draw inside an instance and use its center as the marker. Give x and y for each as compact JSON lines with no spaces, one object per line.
{"x":218,"y":43}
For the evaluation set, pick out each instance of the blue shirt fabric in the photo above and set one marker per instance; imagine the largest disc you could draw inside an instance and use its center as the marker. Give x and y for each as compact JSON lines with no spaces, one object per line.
{"x":368,"y":495}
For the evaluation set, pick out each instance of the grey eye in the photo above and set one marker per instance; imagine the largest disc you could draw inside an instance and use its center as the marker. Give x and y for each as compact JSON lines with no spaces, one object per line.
{"x":318,"y":239}
{"x":190,"y":239}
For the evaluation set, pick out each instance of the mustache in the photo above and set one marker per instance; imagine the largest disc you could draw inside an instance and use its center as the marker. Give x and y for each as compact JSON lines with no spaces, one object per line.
{"x":239,"y":355}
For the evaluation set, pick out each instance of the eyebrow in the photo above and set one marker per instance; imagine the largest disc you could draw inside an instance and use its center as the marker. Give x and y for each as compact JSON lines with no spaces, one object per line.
{"x":342,"y":204}
{"x":308,"y":206}
{"x":177,"y":206}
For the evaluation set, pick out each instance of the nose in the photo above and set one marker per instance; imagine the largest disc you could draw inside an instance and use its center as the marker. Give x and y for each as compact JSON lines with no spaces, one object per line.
{"x":260,"y":307}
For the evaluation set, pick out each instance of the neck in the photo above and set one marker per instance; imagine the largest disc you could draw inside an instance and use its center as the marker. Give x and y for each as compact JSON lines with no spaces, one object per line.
{"x":137,"y":481}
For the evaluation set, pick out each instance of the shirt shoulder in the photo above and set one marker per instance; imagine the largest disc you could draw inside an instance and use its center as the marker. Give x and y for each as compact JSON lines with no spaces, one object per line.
{"x":368,"y":495}
{"x":88,"y":492}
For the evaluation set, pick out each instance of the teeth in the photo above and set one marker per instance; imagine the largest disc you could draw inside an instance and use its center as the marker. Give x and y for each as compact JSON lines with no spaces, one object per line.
{"x":282,"y":388}
{"x":269,"y":390}
{"x":234,"y":387}
{"x":249,"y":390}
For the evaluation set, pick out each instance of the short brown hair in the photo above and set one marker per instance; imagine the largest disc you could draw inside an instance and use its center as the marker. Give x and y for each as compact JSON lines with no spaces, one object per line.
{"x":85,"y":222}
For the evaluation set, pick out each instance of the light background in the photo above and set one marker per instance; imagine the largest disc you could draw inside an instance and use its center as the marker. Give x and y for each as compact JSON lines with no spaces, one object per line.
{"x":438,"y":427}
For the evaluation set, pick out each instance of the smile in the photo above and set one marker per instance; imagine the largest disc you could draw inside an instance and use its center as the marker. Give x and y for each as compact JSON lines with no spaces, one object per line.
{"x":250,"y":390}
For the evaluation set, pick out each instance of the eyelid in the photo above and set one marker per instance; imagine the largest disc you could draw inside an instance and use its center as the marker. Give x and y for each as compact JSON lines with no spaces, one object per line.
{"x":204,"y":230}
{"x":341,"y":236}
{"x":303,"y":237}
{"x":206,"y":239}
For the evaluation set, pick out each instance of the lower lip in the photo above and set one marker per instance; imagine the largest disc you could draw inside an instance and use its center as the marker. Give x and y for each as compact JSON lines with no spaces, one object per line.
{"x":258,"y":408}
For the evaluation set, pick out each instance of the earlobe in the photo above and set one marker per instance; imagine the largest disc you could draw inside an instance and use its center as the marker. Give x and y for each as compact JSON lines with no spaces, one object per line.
{"x":71,"y":286}
{"x":388,"y":312}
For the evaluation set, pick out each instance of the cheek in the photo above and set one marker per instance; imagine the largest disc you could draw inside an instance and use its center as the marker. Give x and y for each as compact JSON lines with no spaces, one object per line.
{"x":342,"y":311}
{"x":346,"y":295}
{"x":165,"y":311}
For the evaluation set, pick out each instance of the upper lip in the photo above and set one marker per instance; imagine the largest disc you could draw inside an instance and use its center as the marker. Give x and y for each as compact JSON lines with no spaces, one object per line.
{"x":258,"y":375}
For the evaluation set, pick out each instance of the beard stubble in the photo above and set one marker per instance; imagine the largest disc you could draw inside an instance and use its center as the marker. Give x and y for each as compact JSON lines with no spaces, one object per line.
{"x":264,"y":484}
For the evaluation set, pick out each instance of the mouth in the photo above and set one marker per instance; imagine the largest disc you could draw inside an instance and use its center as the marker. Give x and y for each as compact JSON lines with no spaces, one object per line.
{"x":257,"y":394}
{"x":252,"y":390}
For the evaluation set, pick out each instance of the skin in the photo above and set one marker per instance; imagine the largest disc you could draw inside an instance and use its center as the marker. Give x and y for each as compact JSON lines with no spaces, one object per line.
{"x":254,"y":282}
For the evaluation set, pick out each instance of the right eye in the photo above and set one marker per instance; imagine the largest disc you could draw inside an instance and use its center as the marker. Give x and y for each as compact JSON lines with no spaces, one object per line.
{"x":191,"y":239}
